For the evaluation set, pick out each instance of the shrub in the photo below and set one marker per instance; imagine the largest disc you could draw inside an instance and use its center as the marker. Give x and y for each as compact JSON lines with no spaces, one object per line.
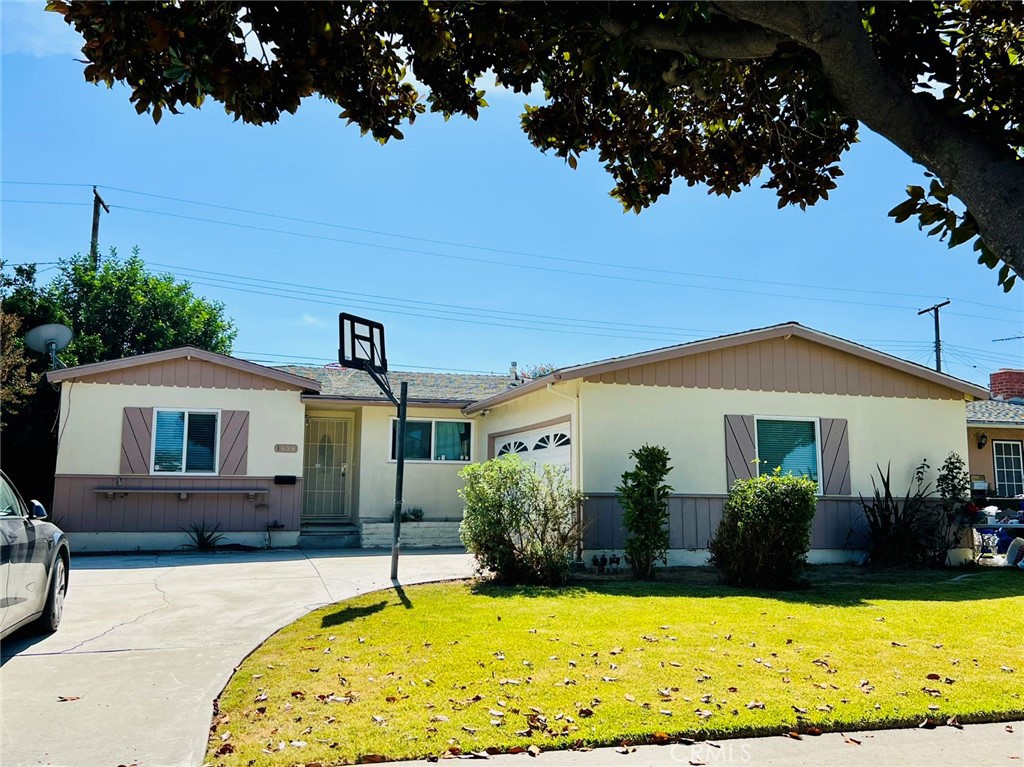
{"x":765,"y":532}
{"x":950,"y":519}
{"x":520,"y":527}
{"x":643,"y":495}
{"x":413,"y":514}
{"x":202,"y":537}
{"x":897,"y":528}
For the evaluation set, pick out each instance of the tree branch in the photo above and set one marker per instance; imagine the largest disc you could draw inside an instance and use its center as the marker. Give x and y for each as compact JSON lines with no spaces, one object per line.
{"x":715,"y":40}
{"x":986,"y":176}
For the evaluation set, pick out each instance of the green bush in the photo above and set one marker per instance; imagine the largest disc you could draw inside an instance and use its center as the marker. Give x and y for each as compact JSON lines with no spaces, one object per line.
{"x":765,"y":532}
{"x":643,"y":496}
{"x":520,"y":527}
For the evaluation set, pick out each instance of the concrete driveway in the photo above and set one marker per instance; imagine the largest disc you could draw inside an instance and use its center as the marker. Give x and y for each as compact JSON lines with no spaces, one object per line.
{"x":147,"y":642}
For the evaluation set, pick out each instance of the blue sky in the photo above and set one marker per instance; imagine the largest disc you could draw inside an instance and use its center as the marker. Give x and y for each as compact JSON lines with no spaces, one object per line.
{"x":471,"y":246}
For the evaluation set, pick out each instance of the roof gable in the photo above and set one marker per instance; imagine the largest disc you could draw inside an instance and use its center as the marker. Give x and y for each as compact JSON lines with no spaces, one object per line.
{"x":186,"y":366}
{"x":780,"y":358}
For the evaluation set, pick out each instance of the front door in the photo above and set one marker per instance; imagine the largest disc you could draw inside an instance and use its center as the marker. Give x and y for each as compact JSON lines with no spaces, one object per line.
{"x":325,"y":481}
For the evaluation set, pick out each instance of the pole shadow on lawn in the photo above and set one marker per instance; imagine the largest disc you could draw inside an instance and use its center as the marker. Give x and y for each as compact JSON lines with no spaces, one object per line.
{"x":348,"y":613}
{"x":824,"y":585}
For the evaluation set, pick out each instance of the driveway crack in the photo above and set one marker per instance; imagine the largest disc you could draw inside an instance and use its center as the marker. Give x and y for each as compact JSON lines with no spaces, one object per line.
{"x":136,"y":619}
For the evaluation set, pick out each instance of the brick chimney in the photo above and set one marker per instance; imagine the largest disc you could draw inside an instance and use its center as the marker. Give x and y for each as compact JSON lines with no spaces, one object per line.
{"x":1006,"y":384}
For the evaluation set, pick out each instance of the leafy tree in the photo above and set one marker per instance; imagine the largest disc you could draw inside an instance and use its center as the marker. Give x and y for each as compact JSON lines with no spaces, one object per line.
{"x":714,"y":93}
{"x":17,"y":383}
{"x":116,"y":310}
{"x":644,"y":498}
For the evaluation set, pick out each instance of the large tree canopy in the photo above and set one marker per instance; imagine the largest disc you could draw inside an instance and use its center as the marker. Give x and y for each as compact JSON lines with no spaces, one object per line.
{"x":714,"y":93}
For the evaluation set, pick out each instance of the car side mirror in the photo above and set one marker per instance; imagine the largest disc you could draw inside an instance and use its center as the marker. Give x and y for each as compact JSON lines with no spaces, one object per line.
{"x":36,"y":510}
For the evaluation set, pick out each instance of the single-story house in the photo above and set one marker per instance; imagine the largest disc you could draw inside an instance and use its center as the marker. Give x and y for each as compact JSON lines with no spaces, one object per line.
{"x":995,"y":437}
{"x":302,"y":455}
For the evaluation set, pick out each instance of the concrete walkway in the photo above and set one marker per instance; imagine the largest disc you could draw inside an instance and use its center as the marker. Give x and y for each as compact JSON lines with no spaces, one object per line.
{"x":148,"y":642}
{"x":978,"y":745}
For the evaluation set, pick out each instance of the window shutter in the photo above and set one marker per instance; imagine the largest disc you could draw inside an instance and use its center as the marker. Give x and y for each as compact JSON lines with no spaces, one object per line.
{"x":136,"y":439}
{"x":835,"y":456}
{"x":739,"y":448}
{"x":234,"y":442}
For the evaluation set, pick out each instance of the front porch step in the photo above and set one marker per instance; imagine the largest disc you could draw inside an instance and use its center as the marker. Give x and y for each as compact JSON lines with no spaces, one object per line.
{"x":328,"y":536}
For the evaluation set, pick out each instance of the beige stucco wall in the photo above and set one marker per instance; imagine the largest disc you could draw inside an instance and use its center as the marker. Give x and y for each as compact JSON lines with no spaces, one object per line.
{"x":430,"y":485}
{"x":981,"y":460}
{"x":91,"y":414}
{"x":691,"y":424}
{"x":523,"y":412}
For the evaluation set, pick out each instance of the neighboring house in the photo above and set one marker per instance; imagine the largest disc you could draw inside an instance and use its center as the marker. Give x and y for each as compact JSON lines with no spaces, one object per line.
{"x":995,"y":436}
{"x":784,"y":395}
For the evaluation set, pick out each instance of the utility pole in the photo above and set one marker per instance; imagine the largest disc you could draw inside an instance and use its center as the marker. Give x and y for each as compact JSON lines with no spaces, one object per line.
{"x":94,"y":250}
{"x":938,"y":338}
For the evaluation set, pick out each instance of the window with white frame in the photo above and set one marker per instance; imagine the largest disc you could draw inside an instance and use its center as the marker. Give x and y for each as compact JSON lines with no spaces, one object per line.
{"x":790,"y":444}
{"x":434,"y":440}
{"x":1009,"y":466}
{"x":185,"y":441}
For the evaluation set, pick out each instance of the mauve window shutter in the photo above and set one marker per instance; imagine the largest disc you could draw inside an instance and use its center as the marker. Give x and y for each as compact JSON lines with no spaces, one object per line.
{"x":740,"y":451}
{"x":234,"y":442}
{"x":136,"y":439}
{"x":835,"y":456}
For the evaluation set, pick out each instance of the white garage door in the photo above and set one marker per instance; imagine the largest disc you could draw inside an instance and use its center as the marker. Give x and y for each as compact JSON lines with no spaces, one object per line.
{"x":551,"y":445}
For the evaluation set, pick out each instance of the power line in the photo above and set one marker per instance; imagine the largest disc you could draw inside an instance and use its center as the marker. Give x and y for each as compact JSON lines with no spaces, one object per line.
{"x":316,"y":362}
{"x":446,"y":243}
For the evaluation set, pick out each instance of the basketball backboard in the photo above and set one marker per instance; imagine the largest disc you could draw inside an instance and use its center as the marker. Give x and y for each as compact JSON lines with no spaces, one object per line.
{"x":362,"y":344}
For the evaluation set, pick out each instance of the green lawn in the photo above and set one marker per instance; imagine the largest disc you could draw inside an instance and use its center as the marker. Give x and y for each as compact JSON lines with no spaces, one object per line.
{"x":473,"y":666}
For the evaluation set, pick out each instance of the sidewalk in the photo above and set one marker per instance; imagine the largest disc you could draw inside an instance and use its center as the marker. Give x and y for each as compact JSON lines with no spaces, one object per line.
{"x":976,"y":745}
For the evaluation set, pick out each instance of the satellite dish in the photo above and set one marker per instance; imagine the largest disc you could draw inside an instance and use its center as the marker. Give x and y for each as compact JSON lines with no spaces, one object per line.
{"x":49,"y":339}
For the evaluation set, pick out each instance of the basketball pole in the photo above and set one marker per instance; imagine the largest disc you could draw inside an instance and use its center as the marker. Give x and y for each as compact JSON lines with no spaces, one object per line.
{"x":399,"y":479}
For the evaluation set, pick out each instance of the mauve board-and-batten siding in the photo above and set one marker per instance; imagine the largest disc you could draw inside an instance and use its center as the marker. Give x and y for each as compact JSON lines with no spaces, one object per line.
{"x":82,"y":509}
{"x":189,"y":373}
{"x":694,"y":519}
{"x":780,"y":365}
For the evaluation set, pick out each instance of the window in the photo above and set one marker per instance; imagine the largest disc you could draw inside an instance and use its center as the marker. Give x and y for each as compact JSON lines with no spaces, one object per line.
{"x":434,"y":440}
{"x":10,"y":505}
{"x":516,"y":446}
{"x":1009,"y":467}
{"x":788,"y":443}
{"x":185,"y":442}
{"x":552,"y":440}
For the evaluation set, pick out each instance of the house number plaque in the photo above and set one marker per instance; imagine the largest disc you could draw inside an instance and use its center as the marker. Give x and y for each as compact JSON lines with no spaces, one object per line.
{"x":283,"y":448}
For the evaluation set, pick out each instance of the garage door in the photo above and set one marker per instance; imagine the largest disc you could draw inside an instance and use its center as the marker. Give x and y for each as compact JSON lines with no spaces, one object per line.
{"x":551,"y":445}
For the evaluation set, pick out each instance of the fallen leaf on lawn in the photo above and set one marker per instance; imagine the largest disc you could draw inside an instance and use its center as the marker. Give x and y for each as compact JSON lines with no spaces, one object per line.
{"x":586,"y":712}
{"x":898,"y":644}
{"x":953,"y":722}
{"x":609,"y":679}
{"x":372,"y":759}
{"x":298,"y":743}
{"x":630,"y":698}
{"x":1006,"y":669}
{"x":225,"y":748}
{"x":933,"y":708}
{"x":67,"y":698}
{"x":625,"y":749}
{"x":934,"y":676}
{"x":469,"y":729}
{"x":661,"y":739}
{"x":533,"y":750}
{"x":439,"y":718}
{"x":733,"y":689}
{"x":379,"y":720}
{"x":675,"y":664}
{"x":815,"y":731}
{"x":800,"y":710}
{"x":298,"y":694}
{"x":226,"y":735}
{"x":755,"y":704}
{"x":703,"y":713}
{"x":795,"y":735}
{"x":826,"y":707}
{"x":851,"y":741}
{"x":927,"y":724}
{"x":1008,"y":728}
{"x":666,"y":712}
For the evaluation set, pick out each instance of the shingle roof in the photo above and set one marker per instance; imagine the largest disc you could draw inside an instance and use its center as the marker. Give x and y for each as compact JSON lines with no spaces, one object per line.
{"x":434,"y":387}
{"x":995,"y":411}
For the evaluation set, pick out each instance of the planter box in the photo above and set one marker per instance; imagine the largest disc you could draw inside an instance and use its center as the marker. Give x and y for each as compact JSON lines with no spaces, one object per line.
{"x":415,"y":535}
